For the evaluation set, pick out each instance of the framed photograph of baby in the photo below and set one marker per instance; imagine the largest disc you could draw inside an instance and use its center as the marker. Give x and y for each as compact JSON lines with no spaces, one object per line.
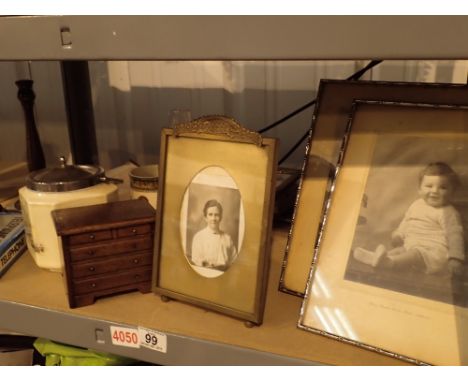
{"x":331,"y":114}
{"x":215,"y":209}
{"x":389,"y":270}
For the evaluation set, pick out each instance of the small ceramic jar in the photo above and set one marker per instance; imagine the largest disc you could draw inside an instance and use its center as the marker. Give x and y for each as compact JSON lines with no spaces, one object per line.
{"x":54,"y":188}
{"x":144,"y":183}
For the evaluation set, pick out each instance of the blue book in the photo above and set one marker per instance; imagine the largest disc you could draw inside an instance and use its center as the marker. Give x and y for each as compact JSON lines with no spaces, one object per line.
{"x":12,"y":239}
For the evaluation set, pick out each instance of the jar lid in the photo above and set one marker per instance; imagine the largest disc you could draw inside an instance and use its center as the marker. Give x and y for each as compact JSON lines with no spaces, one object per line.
{"x":64,"y":178}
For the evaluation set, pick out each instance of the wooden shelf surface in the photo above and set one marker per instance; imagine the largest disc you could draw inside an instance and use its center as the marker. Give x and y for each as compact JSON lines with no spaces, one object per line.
{"x":33,"y":301}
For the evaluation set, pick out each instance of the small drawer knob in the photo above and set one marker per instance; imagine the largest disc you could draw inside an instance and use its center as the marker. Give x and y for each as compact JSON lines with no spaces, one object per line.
{"x":134,"y":231}
{"x":93,"y":285}
{"x":136,"y":261}
{"x":92,"y":236}
{"x":92,"y":269}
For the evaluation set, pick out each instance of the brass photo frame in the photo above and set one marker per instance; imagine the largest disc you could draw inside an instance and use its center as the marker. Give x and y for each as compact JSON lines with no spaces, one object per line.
{"x":402,"y":174}
{"x":214,"y":216}
{"x":334,"y":102}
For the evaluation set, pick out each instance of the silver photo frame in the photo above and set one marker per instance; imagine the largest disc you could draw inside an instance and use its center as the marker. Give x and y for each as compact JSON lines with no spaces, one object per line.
{"x":362,"y":290}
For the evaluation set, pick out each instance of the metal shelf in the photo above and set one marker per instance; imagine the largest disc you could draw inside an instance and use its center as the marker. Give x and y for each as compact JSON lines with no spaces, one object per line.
{"x":232,"y":37}
{"x":95,"y":334}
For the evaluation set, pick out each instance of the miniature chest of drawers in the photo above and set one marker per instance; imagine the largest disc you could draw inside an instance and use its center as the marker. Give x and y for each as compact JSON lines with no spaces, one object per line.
{"x":107,"y":249}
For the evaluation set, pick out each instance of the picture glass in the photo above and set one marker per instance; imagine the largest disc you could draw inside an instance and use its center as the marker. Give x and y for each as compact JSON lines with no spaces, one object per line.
{"x":389,"y":270}
{"x":394,"y":216}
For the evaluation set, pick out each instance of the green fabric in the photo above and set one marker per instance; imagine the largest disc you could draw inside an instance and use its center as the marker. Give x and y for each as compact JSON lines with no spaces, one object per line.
{"x":57,"y":354}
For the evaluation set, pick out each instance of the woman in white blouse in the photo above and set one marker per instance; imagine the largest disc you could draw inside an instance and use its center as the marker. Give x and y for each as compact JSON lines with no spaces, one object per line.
{"x":212,"y":247}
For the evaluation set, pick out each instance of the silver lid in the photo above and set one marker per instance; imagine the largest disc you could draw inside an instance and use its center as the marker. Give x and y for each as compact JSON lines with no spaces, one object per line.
{"x":65,"y":177}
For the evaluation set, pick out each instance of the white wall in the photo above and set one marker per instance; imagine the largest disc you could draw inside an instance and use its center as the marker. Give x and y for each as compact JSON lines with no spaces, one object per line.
{"x":132,"y":100}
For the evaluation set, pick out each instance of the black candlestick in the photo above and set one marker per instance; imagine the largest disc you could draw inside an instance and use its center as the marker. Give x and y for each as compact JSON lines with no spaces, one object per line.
{"x":34,"y":153}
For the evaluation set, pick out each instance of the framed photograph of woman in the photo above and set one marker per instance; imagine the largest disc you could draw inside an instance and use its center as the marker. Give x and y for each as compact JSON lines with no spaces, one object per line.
{"x":389,"y":271}
{"x":215,"y":208}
